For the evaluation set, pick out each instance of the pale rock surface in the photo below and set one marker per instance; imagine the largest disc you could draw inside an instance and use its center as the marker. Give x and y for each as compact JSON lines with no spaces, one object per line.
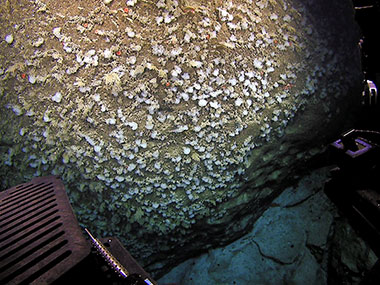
{"x":301,"y":239}
{"x":288,"y":244}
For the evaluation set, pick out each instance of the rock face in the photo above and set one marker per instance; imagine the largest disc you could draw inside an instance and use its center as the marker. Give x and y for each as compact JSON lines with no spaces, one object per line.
{"x":300,"y":239}
{"x":351,"y":257}
{"x":289,"y":244}
{"x":172,"y":123}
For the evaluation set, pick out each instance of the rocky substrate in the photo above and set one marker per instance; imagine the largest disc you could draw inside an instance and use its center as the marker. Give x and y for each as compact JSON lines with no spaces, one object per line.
{"x":173,"y":124}
{"x":300,"y":239}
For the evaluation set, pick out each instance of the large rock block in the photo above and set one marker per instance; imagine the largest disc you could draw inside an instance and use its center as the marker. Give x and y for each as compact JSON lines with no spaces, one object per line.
{"x":172,"y":123}
{"x":351,"y":256}
{"x":289,"y":244}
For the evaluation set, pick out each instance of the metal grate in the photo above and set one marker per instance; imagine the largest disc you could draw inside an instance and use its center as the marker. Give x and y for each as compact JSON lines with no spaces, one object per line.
{"x":40,"y":239}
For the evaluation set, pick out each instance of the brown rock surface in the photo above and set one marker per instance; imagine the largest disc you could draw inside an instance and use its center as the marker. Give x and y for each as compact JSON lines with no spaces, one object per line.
{"x":172,"y":123}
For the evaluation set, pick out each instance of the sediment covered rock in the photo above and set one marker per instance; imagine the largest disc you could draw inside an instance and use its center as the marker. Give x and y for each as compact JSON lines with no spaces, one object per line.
{"x":172,"y":123}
